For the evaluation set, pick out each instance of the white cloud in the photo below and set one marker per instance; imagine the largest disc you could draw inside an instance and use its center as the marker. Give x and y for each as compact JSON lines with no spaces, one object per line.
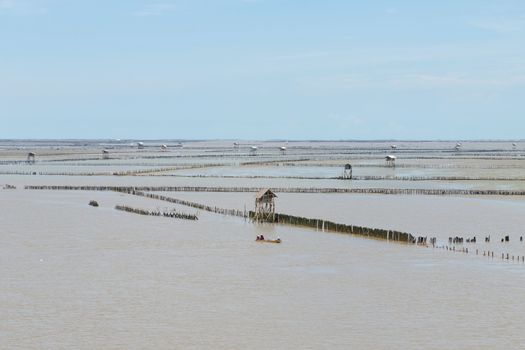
{"x":500,"y":24}
{"x":391,"y":11}
{"x":7,"y":5}
{"x":451,"y":80}
{"x":21,"y":7}
{"x":343,"y":82}
{"x":155,"y":9}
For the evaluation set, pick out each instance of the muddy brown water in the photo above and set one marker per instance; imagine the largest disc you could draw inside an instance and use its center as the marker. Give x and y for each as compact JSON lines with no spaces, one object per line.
{"x":74,"y":276}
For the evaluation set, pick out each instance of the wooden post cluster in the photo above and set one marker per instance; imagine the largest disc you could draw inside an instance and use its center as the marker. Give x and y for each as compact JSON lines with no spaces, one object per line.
{"x":168,"y":214}
{"x":391,"y":191}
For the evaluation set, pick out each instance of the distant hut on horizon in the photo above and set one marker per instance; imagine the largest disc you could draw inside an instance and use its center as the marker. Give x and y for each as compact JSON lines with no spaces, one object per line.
{"x":105,"y":154}
{"x":347,"y":172}
{"x":391,"y":160}
{"x":31,"y":158}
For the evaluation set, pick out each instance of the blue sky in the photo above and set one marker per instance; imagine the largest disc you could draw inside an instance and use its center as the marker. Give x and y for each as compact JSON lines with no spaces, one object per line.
{"x":262,"y":69}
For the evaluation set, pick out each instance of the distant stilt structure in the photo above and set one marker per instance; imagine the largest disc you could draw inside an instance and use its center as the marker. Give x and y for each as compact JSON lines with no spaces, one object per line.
{"x":140,"y":145}
{"x":393,"y":147}
{"x":347,"y":172}
{"x":163,"y":147}
{"x":265,"y":206}
{"x":283,"y":150}
{"x":31,"y":158}
{"x":236,"y":146}
{"x":105,"y":154}
{"x":253,"y":150}
{"x":391,"y":161}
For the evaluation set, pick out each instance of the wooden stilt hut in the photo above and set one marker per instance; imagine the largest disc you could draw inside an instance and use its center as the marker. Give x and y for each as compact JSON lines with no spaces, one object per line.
{"x":347,"y":172}
{"x":265,"y":205}
{"x":391,"y":161}
{"x":31,"y":158}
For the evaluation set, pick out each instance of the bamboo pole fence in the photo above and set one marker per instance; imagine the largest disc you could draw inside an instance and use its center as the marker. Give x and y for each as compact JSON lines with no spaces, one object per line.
{"x":324,"y":225}
{"x":354,"y":177}
{"x":168,"y":214}
{"x":385,"y":191}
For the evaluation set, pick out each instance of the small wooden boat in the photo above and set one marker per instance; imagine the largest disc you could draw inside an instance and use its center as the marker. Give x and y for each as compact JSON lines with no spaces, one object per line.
{"x":278,"y":240}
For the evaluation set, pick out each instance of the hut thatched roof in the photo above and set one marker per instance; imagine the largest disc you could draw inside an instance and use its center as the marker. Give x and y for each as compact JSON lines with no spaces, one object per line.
{"x":266,"y":192}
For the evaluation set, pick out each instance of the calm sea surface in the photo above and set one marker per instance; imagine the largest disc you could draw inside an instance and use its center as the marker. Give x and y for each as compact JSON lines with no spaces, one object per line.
{"x":77,"y":277}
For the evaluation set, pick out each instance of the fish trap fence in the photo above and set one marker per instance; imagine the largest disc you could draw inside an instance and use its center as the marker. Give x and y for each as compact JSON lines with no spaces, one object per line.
{"x":326,"y":225}
{"x":411,"y":166}
{"x":318,"y":224}
{"x":212,"y":209}
{"x":168,"y":214}
{"x":385,"y":191}
{"x":355,"y":178}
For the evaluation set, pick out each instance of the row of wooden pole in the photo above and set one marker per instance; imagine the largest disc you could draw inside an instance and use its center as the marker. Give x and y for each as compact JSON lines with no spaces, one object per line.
{"x":487,"y":253}
{"x":390,"y":191}
{"x":325,"y":225}
{"x":289,"y":219}
{"x":404,"y":165}
{"x":170,"y":214}
{"x":217,"y":210}
{"x":355,"y":178}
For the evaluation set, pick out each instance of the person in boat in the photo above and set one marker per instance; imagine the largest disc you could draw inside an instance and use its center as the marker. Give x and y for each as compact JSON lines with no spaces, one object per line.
{"x":262,"y":238}
{"x":278,"y":240}
{"x":258,"y":238}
